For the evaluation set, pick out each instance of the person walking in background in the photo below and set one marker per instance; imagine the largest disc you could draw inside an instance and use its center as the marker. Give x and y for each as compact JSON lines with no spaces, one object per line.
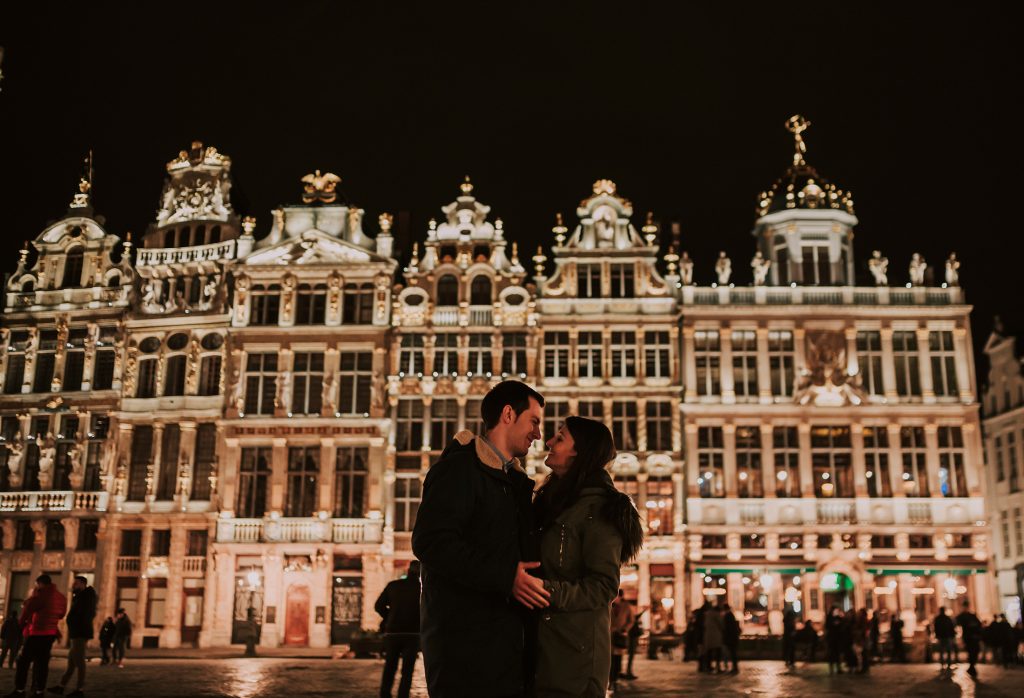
{"x":10,"y":639}
{"x":122,"y":636}
{"x":714,"y":631}
{"x":80,"y":631}
{"x":39,"y":618}
{"x":808,"y":634}
{"x":621,"y":620}
{"x":789,"y":637}
{"x":899,"y":652}
{"x":1002,"y":636}
{"x":945,"y":638}
{"x":635,"y":632}
{"x":399,"y":606}
{"x":875,"y":632}
{"x":834,"y":640}
{"x":970,"y":632}
{"x":731,"y":637}
{"x":862,"y":639}
{"x":106,"y":639}
{"x":698,"y":632}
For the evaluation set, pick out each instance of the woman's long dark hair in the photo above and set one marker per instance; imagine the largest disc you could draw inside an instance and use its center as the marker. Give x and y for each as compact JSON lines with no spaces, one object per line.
{"x":595,"y":449}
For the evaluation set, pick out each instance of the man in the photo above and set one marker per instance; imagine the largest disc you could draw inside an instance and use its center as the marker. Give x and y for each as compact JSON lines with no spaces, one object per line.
{"x":899,"y":652}
{"x":789,"y":637}
{"x":970,"y":631}
{"x":80,"y":631}
{"x":622,"y":619}
{"x":636,"y":631}
{"x":471,"y":533}
{"x":10,"y":639}
{"x":122,"y":636}
{"x":731,"y":637}
{"x":945,"y":638}
{"x":106,"y":639}
{"x":399,"y":606}
{"x":39,"y":618}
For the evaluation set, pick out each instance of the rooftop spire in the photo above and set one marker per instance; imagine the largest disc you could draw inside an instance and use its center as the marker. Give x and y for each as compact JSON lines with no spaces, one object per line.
{"x":796,"y":125}
{"x":83,"y":198}
{"x":466,"y":186}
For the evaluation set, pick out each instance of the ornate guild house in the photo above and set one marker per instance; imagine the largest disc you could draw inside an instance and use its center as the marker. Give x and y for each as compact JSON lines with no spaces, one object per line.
{"x":219,"y":421}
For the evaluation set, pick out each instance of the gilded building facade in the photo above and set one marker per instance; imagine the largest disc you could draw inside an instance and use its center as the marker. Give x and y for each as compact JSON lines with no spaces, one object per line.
{"x":221,"y":423}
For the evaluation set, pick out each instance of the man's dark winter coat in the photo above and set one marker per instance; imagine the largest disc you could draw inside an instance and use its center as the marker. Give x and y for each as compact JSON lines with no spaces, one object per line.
{"x":944,"y":628}
{"x":107,"y":632}
{"x":470,"y":531}
{"x":399,"y":606}
{"x":82,"y":614}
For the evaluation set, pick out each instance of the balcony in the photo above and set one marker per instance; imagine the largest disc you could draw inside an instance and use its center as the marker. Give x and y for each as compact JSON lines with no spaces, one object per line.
{"x":129,"y":563}
{"x":481,"y":315}
{"x":194,"y":565}
{"x":153,"y":257}
{"x":821,"y":295}
{"x":837,"y":511}
{"x":289,"y":530}
{"x":446,"y":316}
{"x":58,"y":500}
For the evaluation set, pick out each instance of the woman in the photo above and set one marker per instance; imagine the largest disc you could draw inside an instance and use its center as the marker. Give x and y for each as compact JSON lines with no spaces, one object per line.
{"x":588,"y":530}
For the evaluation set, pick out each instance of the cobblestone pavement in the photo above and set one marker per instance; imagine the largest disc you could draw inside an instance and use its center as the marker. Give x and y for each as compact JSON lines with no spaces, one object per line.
{"x":322,"y":678}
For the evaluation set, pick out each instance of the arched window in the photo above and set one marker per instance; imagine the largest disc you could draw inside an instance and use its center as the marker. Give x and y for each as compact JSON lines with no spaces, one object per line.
{"x":28,"y":287}
{"x":169,"y":238}
{"x":114,"y":280}
{"x":448,"y":290}
{"x":73,"y":268}
{"x":199,"y":238}
{"x":183,"y":234}
{"x":480,"y":291}
{"x":214,"y":234}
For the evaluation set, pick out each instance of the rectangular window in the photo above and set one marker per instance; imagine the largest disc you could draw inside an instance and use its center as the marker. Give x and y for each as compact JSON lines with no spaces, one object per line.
{"x":303,"y":474}
{"x":74,"y":368}
{"x":156,"y":603}
{"x":749,"y":479}
{"x":513,"y":354}
{"x":160,"y":543}
{"x":624,"y":424}
{"x":588,"y":280}
{"x":197,"y":543}
{"x":350,"y":476}
{"x":174,"y":375}
{"x":266,"y":305}
{"x":307,"y":382}
{"x":209,"y":375}
{"x":623,"y":354}
{"x":659,"y":505}
{"x":446,"y":354}
{"x":786,"y":450}
{"x":876,"y":461}
{"x":97,"y":435}
{"x":744,"y":363}
{"x":260,"y":383}
{"x":556,"y":354}
{"x":103,"y":370}
{"x":408,"y":491}
{"x":141,"y":458}
{"x":1012,"y":461}
{"x":167,"y":483}
{"x":253,"y":480}
{"x":311,"y":305}
{"x":659,"y":425}
{"x":869,"y":360}
{"x":905,"y":359}
{"x":1018,"y":530}
{"x":656,"y":354}
{"x":409,"y":426}
{"x":943,"y":357}
{"x":591,"y":409}
{"x":15,"y":375}
{"x":589,"y":354}
{"x":555,"y":412}
{"x":410,"y":356}
{"x":146,"y":387}
{"x":54,"y":539}
{"x":131,"y":543}
{"x":817,"y":270}
{"x":45,"y":362}
{"x":780,"y":362}
{"x":67,"y":442}
{"x":87,"y":530}
{"x":444,"y":422}
{"x":831,"y":461}
{"x":357,"y":307}
{"x":622,"y":281}
{"x":997,"y":448}
{"x":480,"y":356}
{"x":915,"y":472}
{"x":952,"y":478}
{"x":1006,"y":534}
{"x":355,"y":378}
{"x":707,"y":354}
{"x":205,"y":461}
{"x":710,"y":462}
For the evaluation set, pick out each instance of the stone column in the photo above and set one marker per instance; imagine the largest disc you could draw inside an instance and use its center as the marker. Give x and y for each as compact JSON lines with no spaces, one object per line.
{"x":729,"y":469}
{"x":170,"y":635}
{"x":89,"y":364}
{"x":692,"y":468}
{"x":964,"y":379}
{"x":185,"y":462}
{"x":888,"y":365}
{"x":279,"y":474}
{"x":764,"y":370}
{"x":924,"y":362}
{"x":689,"y":365}
{"x":641,"y":424}
{"x":799,"y":349}
{"x":895,"y":460}
{"x":768,"y":477}
{"x":806,"y":471}
{"x":727,"y":379}
{"x":931,"y":459}
{"x":31,"y":352}
{"x":974,"y":458}
{"x":228,"y":476}
{"x":679,"y":502}
{"x":153,"y":476}
{"x":860,"y":487}
{"x":328,"y":461}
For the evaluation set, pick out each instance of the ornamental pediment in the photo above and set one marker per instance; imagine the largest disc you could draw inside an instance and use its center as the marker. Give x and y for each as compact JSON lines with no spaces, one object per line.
{"x":313,"y":247}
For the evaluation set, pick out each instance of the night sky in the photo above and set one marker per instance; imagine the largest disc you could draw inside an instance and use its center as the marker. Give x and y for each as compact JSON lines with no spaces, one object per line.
{"x":911,"y":110}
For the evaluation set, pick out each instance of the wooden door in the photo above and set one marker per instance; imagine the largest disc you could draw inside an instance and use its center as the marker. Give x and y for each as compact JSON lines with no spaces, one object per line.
{"x":296,"y":628}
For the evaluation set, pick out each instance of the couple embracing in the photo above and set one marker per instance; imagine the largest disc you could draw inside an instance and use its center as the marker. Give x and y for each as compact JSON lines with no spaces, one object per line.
{"x":518,"y":583}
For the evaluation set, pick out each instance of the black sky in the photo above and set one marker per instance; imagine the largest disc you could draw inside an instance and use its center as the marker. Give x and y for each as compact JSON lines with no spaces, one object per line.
{"x":912,"y":104}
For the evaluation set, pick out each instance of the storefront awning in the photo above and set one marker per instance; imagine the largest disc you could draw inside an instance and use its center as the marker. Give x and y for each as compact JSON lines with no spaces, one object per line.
{"x":889,"y":571}
{"x":751,"y":570}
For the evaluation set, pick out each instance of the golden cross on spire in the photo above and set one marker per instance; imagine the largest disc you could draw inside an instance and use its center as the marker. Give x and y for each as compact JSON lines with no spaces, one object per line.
{"x":796,"y":125}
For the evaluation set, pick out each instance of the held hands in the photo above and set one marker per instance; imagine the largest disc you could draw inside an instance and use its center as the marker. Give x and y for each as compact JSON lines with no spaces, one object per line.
{"x":529,"y":590}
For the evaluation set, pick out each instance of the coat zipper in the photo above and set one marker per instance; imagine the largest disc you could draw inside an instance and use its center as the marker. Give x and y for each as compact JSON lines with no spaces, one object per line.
{"x":561,"y":545}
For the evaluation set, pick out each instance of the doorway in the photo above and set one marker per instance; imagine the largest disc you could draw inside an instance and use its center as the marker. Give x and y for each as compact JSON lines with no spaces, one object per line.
{"x":296,"y":629}
{"x":837,"y":589}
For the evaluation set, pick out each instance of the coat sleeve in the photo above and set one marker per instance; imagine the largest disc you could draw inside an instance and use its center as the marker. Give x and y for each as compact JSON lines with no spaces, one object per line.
{"x":381,"y":607}
{"x":439,"y":537}
{"x":602,"y":547}
{"x":32,"y":604}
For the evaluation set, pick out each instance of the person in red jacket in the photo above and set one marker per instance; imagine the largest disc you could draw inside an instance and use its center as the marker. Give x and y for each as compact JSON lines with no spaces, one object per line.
{"x":40,"y":615}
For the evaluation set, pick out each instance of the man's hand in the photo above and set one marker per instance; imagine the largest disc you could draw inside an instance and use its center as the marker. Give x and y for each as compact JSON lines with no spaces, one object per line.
{"x":527,"y":589}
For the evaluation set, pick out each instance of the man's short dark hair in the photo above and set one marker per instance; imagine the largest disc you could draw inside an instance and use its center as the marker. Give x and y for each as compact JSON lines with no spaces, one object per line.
{"x":80,"y":578}
{"x":120,"y":610}
{"x":513,"y":393}
{"x":44,"y":579}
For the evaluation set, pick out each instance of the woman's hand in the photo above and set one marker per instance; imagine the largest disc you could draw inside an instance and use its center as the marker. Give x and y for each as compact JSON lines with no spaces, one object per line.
{"x":527,"y":589}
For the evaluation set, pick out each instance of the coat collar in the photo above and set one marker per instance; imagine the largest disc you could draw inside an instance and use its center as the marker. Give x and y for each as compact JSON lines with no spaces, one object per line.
{"x":484,"y":453}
